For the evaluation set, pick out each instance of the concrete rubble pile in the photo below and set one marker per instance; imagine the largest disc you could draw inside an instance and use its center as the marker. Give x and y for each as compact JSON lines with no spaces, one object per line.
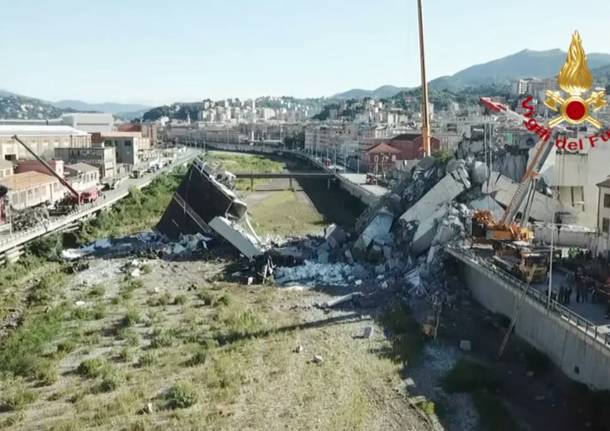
{"x":399,"y":243}
{"x":146,"y":244}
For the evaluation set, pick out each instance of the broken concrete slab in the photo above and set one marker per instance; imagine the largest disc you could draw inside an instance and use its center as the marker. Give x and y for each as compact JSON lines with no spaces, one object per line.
{"x":446,"y":190}
{"x":240,"y":240}
{"x":379,"y":226}
{"x":341,"y":300}
{"x":335,"y":235}
{"x":544,"y":208}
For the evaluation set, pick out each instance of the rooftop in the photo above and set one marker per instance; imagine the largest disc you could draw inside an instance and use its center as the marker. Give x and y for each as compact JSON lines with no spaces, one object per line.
{"x":26,"y":180}
{"x":81,"y":167}
{"x":38,"y":130}
{"x":383,"y":148}
{"x":605,"y":183}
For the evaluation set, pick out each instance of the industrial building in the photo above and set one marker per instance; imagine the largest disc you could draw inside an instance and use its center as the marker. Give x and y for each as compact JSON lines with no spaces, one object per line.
{"x":101,"y":157}
{"x":28,"y":189}
{"x":43,"y":140}
{"x":89,"y":122}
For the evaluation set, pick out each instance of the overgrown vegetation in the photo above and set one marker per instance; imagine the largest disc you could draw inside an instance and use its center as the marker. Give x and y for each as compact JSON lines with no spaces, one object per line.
{"x":139,"y":211}
{"x":181,"y":396}
{"x":482,"y":383}
{"x":407,"y":337}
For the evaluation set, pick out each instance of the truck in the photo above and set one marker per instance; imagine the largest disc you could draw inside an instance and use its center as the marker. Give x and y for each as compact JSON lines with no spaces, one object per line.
{"x":523,"y":262}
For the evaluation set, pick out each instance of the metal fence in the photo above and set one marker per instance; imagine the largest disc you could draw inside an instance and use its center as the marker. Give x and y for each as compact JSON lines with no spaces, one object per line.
{"x":589,"y":328}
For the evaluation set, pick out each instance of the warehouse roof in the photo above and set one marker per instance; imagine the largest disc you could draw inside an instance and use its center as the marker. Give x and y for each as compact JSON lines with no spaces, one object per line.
{"x":38,"y":130}
{"x":27,"y":180}
{"x":82,"y":167}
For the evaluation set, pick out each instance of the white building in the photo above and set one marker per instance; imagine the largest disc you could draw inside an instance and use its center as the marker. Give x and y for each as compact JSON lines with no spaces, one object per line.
{"x":89,"y":122}
{"x":41,"y":139}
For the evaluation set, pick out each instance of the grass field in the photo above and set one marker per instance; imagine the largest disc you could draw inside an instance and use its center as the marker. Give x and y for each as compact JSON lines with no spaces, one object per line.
{"x":204,"y":354}
{"x":286,"y":213}
{"x":180,"y":348}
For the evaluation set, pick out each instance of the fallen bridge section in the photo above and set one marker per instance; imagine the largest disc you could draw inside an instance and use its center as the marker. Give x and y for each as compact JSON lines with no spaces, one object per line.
{"x":203,"y":204}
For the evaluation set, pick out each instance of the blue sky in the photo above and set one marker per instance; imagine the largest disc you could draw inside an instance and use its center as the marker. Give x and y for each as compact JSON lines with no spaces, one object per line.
{"x":162,"y":51}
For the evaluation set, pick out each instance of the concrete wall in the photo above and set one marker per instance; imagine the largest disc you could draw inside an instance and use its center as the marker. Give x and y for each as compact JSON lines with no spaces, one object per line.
{"x":579,"y":356}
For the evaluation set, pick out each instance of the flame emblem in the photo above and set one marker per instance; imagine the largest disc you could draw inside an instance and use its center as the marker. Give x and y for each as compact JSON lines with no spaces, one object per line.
{"x":575,"y":79}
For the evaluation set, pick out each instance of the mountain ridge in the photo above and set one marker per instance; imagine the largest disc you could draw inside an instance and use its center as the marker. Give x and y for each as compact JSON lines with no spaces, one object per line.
{"x":522,"y":64}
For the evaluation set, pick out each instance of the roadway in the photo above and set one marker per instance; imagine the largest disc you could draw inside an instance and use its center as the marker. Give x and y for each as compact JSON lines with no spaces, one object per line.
{"x":9,"y":241}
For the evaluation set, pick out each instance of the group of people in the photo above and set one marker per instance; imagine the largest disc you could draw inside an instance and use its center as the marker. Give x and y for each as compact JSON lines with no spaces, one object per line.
{"x":584,"y":286}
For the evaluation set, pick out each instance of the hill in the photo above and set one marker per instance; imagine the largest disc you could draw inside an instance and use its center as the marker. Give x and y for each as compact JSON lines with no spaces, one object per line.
{"x":382,"y":92}
{"x":114,"y":108}
{"x":523,"y":64}
{"x":13,"y":106}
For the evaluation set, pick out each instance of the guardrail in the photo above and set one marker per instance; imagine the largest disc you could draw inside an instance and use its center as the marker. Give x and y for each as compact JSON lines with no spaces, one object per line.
{"x":513,"y":283}
{"x":23,"y":236}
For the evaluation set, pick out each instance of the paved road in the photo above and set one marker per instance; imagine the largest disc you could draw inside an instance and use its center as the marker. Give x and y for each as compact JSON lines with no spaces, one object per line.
{"x":360,"y":180}
{"x":8,"y":241}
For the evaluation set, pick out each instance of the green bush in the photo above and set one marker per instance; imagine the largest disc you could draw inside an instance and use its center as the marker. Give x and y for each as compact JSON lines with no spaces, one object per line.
{"x":493,"y":414}
{"x":92,"y":368}
{"x":132,"y":317}
{"x":206,"y":296}
{"x":147,"y":359}
{"x":180,"y":300}
{"x":14,"y":395}
{"x":198,"y":358}
{"x":23,"y":350}
{"x":46,"y":372}
{"x":111,"y":380}
{"x":161,"y":339}
{"x":181,"y":396}
{"x":470,"y":376}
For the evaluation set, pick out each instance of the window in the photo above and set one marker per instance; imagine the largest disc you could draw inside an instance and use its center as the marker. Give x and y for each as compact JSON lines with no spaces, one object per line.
{"x":605,"y":225}
{"x":606,"y":200}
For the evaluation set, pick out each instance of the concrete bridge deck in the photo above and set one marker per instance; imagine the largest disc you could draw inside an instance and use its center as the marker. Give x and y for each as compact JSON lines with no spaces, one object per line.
{"x":578,"y":344}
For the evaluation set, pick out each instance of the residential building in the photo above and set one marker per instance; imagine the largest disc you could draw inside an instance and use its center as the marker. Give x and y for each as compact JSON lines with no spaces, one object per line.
{"x":411,"y":145}
{"x":89,"y":122}
{"x":41,"y":139}
{"x":82,"y":176}
{"x":101,"y":157}
{"x":381,"y":158}
{"x":6,"y":168}
{"x":126,"y":145}
{"x":29,"y":189}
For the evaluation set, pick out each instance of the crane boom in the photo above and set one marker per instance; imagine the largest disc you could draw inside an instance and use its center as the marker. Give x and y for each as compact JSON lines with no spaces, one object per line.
{"x":50,"y":169}
{"x":543,"y":150}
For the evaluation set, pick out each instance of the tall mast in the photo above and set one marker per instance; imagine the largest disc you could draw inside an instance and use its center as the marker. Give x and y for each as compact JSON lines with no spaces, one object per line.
{"x":425,"y":123}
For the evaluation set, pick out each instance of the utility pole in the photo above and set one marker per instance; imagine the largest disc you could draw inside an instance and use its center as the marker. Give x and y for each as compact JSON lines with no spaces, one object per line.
{"x":425,"y":124}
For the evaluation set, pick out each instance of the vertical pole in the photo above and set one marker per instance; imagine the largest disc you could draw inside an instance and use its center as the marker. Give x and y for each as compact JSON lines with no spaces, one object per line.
{"x":425,"y":128}
{"x":548,"y":295}
{"x":251,"y":182}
